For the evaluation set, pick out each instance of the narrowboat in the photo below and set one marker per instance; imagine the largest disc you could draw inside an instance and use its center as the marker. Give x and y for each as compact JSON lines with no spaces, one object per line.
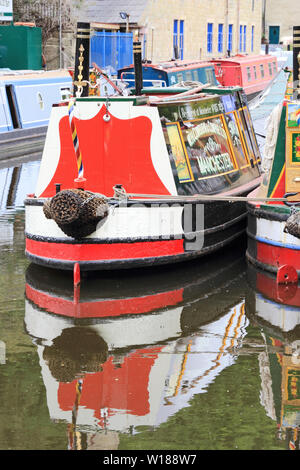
{"x":143,"y":179}
{"x":254,"y":73}
{"x":170,"y":73}
{"x":26,"y":99}
{"x":273,"y":223}
{"x":139,"y":348}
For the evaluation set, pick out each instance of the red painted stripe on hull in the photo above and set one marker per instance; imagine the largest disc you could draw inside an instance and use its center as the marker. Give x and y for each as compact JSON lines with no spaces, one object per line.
{"x":103,"y":308}
{"x":105,"y":251}
{"x":277,"y":256}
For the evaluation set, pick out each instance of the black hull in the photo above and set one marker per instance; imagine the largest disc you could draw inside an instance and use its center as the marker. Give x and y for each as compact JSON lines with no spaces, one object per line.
{"x":224,"y":223}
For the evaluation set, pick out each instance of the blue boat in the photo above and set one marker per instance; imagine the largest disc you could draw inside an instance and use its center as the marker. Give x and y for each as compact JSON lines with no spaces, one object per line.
{"x":26,"y":99}
{"x":170,"y":73}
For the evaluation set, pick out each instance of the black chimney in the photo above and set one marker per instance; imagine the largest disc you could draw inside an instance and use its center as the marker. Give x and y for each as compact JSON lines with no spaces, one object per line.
{"x":138,"y":68}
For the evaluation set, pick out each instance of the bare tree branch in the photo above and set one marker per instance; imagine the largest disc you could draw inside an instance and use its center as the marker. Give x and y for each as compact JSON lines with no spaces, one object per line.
{"x":45,"y":14}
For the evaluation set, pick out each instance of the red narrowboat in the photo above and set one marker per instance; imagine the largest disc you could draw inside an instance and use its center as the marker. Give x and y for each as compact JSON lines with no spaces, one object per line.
{"x":251,"y":72}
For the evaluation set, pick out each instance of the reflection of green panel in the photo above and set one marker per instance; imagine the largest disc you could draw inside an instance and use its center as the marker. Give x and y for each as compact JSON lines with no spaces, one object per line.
{"x":20,"y":48}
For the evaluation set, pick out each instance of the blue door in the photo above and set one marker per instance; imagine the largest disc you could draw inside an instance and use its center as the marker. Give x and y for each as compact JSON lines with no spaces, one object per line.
{"x":111,"y":50}
{"x":274,"y":34}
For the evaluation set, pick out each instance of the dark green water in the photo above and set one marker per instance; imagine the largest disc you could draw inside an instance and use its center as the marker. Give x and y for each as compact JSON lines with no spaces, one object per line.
{"x":180,"y":358}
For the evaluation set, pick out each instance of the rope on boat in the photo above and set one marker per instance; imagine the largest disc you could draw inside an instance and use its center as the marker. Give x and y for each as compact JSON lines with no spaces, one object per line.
{"x":76,"y":212}
{"x":203,"y":197}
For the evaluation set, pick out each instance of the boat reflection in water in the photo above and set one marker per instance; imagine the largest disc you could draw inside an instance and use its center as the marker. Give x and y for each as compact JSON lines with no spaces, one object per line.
{"x":276,"y":310}
{"x":132,"y":350}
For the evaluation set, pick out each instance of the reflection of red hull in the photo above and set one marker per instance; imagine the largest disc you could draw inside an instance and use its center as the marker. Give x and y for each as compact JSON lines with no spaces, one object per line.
{"x":275,"y":307}
{"x":266,"y":284}
{"x":102,"y":308}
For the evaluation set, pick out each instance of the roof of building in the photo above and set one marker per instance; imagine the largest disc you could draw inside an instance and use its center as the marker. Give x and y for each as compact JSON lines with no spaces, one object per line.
{"x":108,"y":11}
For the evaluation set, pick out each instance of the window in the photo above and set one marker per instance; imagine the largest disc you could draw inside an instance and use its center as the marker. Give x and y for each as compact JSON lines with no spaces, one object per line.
{"x":241,"y":38}
{"x":220,"y":38}
{"x":181,"y":39}
{"x":245,"y":39}
{"x":249,"y":74}
{"x":175,"y":39}
{"x":178,"y":39}
{"x":270,"y":68}
{"x":262,"y":71}
{"x":252,"y":39}
{"x":274,"y":67}
{"x":144,"y":46}
{"x":40,"y":100}
{"x":209,"y":37}
{"x":230,"y":33}
{"x":255,"y":73}
{"x":210,"y":76}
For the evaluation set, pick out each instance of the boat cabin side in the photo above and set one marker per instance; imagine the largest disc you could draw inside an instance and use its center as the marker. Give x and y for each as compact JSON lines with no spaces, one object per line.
{"x":171,"y":73}
{"x":283,"y":178}
{"x":26,"y":99}
{"x":252,"y":73}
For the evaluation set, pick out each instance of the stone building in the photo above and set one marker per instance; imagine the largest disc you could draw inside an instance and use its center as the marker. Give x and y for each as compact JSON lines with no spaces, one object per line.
{"x":186,"y":29}
{"x":189,"y":29}
{"x":279,"y":19}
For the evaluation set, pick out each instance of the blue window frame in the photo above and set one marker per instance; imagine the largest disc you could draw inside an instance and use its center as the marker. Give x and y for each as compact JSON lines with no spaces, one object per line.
{"x":245,"y":39}
{"x":209,"y":37}
{"x":220,"y":38}
{"x":252,"y":39}
{"x":175,"y":36}
{"x":178,"y":37}
{"x":241,"y":39}
{"x":181,"y":38}
{"x":230,"y":33}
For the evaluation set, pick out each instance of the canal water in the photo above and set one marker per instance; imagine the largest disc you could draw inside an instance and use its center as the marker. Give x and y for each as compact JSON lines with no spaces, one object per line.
{"x":194,"y":356}
{"x":197,"y":356}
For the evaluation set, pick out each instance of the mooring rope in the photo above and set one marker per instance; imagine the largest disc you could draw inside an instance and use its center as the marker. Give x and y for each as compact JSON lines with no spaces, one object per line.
{"x":202,"y":197}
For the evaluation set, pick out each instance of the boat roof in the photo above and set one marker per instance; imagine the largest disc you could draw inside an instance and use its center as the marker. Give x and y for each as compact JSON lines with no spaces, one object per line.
{"x":7,"y":74}
{"x":174,"y":66}
{"x":246,"y":59}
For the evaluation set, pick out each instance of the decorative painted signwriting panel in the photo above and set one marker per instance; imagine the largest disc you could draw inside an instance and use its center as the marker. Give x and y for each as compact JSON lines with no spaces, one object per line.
{"x":210,"y":143}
